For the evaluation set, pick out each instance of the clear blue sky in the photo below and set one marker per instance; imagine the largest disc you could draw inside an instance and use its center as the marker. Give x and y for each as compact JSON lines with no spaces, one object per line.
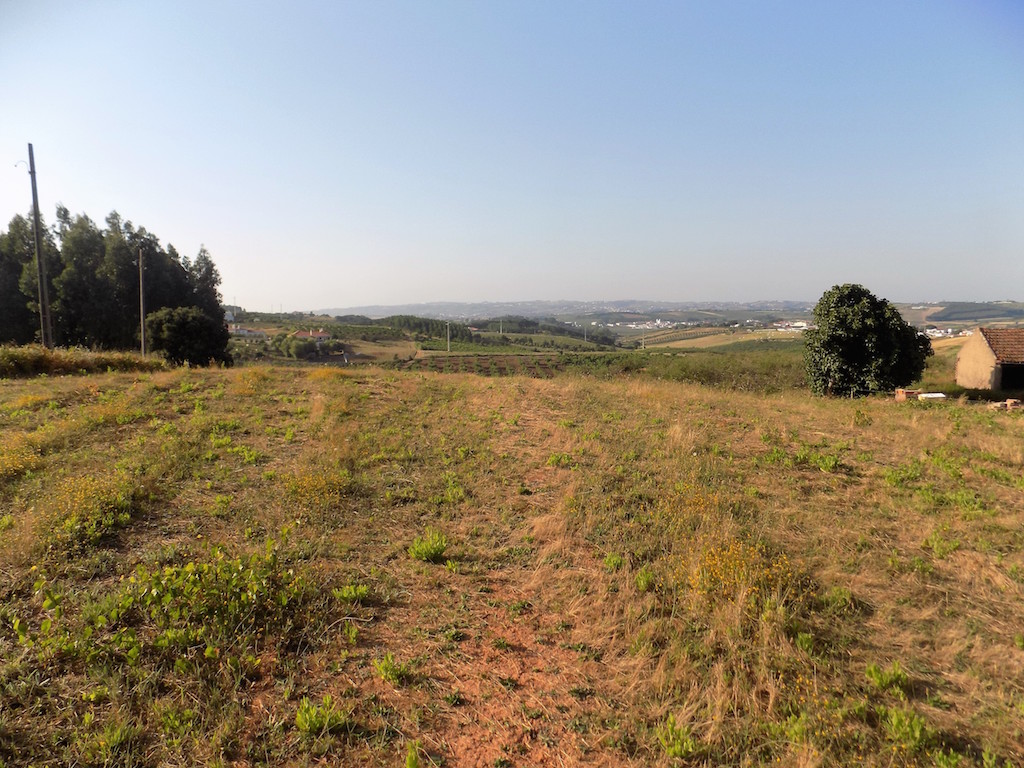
{"x":344,"y":153}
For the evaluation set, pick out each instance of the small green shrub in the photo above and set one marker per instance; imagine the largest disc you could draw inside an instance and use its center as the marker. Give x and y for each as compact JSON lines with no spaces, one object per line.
{"x":991,"y":760}
{"x":613,"y":561}
{"x":454,"y":493}
{"x":391,"y":671}
{"x":313,"y":720}
{"x":350,"y":631}
{"x":940,"y":546}
{"x":116,"y":744}
{"x":676,"y":740}
{"x":839,"y":601}
{"x":903,"y":475}
{"x":805,"y":642}
{"x":644,"y":579}
{"x":412,"y":755}
{"x":519,"y":607}
{"x":892,"y":679}
{"x":560,"y":460}
{"x":777,"y":455}
{"x":351,"y":593}
{"x":826,"y":462}
{"x":430,"y":547}
{"x":943,"y":759}
{"x":906,"y":729}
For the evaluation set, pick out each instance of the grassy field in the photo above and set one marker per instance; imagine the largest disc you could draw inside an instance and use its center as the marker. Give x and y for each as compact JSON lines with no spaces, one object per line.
{"x":306,"y":566}
{"x":717,"y":338}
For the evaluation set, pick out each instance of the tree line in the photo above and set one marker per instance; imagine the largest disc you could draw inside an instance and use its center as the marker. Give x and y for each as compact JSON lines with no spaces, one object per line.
{"x":551,"y":326}
{"x":423,"y":326}
{"x":93,"y":281}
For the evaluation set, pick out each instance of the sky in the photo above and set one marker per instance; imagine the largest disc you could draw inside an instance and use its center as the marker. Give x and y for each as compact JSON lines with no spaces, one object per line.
{"x":340,"y":154}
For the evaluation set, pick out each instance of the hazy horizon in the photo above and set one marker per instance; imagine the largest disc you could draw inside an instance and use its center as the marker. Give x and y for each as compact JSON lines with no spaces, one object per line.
{"x":569,"y":306}
{"x":360,"y":154}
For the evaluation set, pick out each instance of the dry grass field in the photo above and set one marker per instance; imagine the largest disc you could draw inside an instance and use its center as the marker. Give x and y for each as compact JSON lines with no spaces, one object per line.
{"x":383,"y":351}
{"x":682,"y":340}
{"x":310,"y":566}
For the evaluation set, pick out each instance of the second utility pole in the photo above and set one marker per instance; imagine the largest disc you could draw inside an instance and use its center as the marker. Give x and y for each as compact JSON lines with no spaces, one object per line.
{"x":142,"y":306}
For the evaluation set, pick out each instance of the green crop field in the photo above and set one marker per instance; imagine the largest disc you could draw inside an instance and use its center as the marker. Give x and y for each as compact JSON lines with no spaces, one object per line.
{"x":612,"y":564}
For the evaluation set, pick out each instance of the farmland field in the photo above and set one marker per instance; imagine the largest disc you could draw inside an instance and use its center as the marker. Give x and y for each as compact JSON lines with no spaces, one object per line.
{"x":306,"y":566}
{"x":717,"y":338}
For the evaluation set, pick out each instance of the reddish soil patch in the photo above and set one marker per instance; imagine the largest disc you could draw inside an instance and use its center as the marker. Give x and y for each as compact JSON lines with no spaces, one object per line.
{"x":519,"y":692}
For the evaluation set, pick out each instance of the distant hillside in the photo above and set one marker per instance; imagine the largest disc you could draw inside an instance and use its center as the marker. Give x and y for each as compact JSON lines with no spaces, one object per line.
{"x":536,"y":309}
{"x":964,"y":313}
{"x":971,"y":311}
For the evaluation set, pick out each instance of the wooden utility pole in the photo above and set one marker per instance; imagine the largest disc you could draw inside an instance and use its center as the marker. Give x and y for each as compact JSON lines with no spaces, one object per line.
{"x":142,"y":306}
{"x":45,"y":327}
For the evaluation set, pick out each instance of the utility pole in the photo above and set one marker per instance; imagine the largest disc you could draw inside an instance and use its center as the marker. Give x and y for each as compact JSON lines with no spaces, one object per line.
{"x":45,"y":328}
{"x":142,"y":306}
{"x":449,"y":323}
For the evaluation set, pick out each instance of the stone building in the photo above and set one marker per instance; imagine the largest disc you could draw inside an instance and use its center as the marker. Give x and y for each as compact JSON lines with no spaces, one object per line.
{"x":993,"y":358}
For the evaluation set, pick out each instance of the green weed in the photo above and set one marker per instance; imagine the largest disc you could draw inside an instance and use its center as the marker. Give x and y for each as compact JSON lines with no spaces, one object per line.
{"x":351,"y":593}
{"x":676,"y":739}
{"x":906,"y":729}
{"x":613,"y":562}
{"x":393,"y":672}
{"x":894,"y":678}
{"x":315,"y":720}
{"x":644,"y":579}
{"x":940,"y":546}
{"x":903,"y":475}
{"x":561,"y":460}
{"x":430,"y":547}
{"x":946,"y":759}
{"x":412,"y":755}
{"x":519,"y":607}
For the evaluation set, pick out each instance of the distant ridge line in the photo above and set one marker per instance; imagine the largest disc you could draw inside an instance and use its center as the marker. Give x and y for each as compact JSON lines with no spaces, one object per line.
{"x":489,"y":309}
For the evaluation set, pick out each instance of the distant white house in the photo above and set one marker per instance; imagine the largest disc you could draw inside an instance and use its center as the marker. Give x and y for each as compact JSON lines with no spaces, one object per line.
{"x":312,"y":335}
{"x":794,"y":326}
{"x":251,"y":333}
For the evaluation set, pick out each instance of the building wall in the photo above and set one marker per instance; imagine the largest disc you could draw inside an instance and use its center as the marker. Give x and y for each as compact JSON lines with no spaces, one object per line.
{"x":976,"y":365}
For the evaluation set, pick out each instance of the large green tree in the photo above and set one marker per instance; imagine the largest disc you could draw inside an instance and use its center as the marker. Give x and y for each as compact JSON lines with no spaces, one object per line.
{"x":861,"y":345}
{"x":205,"y":281}
{"x":188,"y":335}
{"x":167,"y":283}
{"x":82,"y":300}
{"x":18,"y":324}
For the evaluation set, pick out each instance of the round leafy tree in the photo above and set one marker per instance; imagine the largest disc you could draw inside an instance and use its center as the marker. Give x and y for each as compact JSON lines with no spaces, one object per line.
{"x":188,"y":335}
{"x":861,"y":345}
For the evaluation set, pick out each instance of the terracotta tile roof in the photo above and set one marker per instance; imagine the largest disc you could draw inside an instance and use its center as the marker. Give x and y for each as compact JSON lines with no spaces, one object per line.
{"x":1006,"y":343}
